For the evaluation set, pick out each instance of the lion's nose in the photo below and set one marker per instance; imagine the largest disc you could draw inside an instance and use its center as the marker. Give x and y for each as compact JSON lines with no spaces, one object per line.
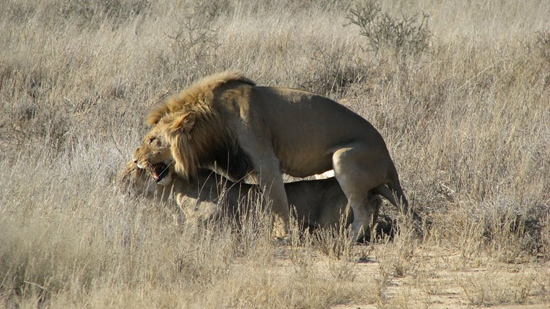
{"x":135,"y":159}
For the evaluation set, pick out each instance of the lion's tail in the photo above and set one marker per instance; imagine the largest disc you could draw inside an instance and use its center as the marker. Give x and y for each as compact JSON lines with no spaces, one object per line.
{"x":392,"y":191}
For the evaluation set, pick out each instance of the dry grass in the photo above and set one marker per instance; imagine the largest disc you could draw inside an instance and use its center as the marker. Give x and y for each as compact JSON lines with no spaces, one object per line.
{"x":466,"y":118}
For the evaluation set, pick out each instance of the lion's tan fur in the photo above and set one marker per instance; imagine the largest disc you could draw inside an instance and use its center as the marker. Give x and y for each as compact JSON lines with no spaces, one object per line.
{"x":198,"y":98}
{"x":226,"y":123}
{"x":315,"y":203}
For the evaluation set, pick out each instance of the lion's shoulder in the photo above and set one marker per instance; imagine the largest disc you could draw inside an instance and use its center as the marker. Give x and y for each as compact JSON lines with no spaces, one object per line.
{"x":199,"y":95}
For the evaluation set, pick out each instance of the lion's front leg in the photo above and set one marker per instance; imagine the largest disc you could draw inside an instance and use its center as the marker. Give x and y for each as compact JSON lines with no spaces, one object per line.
{"x":270,"y":180}
{"x":267,"y":173}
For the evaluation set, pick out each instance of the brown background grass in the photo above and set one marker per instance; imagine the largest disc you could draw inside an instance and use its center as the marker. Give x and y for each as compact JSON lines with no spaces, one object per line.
{"x":466,"y":119}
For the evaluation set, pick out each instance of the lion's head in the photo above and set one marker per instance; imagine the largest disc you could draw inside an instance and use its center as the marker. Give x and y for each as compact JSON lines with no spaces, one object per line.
{"x":154,"y":155}
{"x":188,"y":133}
{"x":139,"y":180}
{"x":180,"y":142}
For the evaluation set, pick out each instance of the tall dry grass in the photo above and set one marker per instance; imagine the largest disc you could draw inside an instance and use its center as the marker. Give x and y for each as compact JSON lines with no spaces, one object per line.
{"x":466,"y":120}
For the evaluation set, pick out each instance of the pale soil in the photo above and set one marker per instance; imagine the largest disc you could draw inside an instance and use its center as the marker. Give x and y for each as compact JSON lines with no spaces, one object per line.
{"x":435,"y":278}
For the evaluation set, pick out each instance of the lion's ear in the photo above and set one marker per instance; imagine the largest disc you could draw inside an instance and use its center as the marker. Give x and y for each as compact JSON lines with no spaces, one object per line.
{"x":183,"y":124}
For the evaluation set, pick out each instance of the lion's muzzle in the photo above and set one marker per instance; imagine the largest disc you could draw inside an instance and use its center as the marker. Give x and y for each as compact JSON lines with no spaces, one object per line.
{"x":159,"y":171}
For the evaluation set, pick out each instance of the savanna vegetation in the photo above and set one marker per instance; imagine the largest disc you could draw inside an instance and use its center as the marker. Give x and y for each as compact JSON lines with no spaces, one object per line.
{"x":460,"y":90}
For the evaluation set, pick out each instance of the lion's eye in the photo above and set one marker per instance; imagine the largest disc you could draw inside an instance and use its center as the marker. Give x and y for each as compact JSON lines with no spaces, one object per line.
{"x":151,"y":140}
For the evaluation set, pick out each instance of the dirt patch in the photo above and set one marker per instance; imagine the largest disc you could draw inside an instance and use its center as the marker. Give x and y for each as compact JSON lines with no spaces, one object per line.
{"x":434,"y":278}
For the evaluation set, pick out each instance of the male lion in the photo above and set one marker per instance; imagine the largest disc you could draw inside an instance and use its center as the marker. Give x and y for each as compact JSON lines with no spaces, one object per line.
{"x":315,"y":203}
{"x":228,"y":124}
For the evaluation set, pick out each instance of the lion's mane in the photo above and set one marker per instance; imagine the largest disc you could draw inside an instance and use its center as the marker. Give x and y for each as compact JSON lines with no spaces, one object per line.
{"x":207,"y":138}
{"x":198,"y":97}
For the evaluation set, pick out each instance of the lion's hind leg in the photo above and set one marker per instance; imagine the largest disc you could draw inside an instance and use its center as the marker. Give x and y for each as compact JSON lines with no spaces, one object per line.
{"x":358,"y":173}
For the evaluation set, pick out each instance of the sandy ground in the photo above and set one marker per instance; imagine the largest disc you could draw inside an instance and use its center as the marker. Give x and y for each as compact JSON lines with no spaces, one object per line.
{"x":440,"y":278}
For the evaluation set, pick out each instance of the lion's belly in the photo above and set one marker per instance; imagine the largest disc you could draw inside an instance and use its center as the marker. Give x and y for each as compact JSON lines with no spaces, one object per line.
{"x":305,"y":163}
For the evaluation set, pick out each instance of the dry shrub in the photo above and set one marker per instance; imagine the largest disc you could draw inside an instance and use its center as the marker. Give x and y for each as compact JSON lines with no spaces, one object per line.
{"x":405,"y":35}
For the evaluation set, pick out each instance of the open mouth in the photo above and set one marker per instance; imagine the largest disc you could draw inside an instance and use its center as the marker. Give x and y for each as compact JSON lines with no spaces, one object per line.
{"x":160,"y":171}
